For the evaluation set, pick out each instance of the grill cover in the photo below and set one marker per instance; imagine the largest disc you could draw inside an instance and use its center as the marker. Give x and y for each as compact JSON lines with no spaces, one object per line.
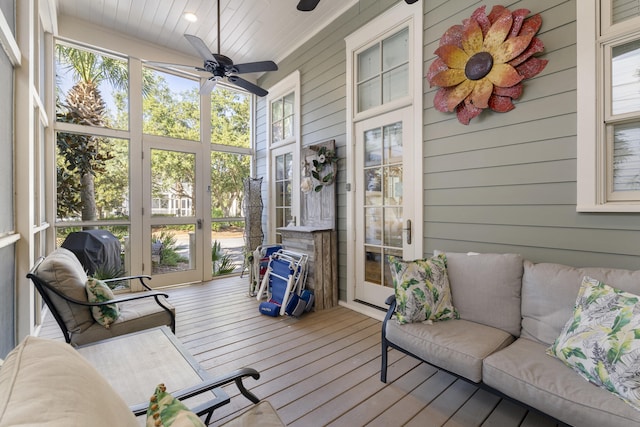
{"x":95,"y":249}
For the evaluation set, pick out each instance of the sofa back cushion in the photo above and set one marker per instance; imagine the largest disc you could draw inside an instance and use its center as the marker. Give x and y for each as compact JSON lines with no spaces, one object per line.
{"x":485,"y":288}
{"x":62,"y":270}
{"x":48,"y":383}
{"x":549,"y":294}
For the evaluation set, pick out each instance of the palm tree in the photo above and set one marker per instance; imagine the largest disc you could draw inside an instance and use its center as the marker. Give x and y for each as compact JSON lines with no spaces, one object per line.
{"x":83,"y":105}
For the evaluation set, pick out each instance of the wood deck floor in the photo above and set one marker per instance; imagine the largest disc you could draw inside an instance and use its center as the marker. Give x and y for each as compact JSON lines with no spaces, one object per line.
{"x":323,"y":369}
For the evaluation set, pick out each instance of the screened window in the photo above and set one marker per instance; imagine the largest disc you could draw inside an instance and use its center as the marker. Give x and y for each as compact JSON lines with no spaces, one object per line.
{"x":171,"y":105}
{"x":92,"y":177}
{"x":92,"y":88}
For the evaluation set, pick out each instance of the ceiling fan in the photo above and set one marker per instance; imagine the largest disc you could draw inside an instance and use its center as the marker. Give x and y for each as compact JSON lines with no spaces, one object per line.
{"x":309,"y":5}
{"x":221,"y":66}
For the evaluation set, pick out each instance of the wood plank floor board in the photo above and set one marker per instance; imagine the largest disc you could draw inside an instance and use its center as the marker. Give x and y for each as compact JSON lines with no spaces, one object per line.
{"x":507,"y":413}
{"x":408,"y":406}
{"x":475,"y":410}
{"x":324,"y":367}
{"x":442,"y":408}
{"x":365,"y":391}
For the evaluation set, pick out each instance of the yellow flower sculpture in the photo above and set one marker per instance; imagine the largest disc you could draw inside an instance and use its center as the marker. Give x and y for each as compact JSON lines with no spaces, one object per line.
{"x":482,"y":63}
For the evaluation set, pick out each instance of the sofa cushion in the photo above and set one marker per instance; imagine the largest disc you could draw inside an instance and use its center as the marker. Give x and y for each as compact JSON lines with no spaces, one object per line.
{"x":525,"y":372}
{"x":98,"y":291}
{"x":62,"y":270}
{"x":600,"y":341}
{"x":422,"y":289}
{"x":549,"y":293}
{"x":486,"y":288}
{"x":459,"y":346}
{"x":135,"y":315}
{"x":47,"y":383}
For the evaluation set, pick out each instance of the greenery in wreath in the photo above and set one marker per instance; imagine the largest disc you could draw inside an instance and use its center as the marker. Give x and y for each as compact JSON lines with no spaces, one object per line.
{"x":326,"y":159}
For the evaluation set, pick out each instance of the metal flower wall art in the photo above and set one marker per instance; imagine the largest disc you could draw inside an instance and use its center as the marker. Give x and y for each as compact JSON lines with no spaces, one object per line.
{"x":482,"y":63}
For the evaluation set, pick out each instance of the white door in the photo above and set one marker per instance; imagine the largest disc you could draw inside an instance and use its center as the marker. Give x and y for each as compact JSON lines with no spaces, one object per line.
{"x":385,"y":211}
{"x":173,"y":212}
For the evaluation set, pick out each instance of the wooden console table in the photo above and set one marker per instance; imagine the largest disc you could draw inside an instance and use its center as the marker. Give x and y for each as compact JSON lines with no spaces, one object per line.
{"x":321,"y":246}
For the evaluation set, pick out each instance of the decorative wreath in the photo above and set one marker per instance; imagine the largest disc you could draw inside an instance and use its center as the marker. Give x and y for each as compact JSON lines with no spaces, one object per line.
{"x":326,"y":159}
{"x":482,"y":63}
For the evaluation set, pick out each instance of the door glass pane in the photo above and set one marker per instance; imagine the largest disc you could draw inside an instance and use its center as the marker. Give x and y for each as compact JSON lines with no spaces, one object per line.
{"x":624,"y":9}
{"x":372,"y":145}
{"x":383,"y":211}
{"x":284,"y":191}
{"x":173,"y":248}
{"x":625,"y":78}
{"x":626,"y":157}
{"x":393,"y":143}
{"x":230,"y":125}
{"x":171,"y":105}
{"x":173,"y":183}
{"x":373,"y":225}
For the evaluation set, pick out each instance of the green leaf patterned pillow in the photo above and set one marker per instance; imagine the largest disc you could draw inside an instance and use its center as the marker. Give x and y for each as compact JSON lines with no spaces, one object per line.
{"x":165,"y":411}
{"x":601,"y":341}
{"x":98,"y":291}
{"x":422,"y":290}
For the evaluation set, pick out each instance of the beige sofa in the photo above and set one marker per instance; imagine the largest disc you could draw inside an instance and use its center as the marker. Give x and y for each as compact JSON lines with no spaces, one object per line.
{"x":48,"y":383}
{"x":511,"y":310}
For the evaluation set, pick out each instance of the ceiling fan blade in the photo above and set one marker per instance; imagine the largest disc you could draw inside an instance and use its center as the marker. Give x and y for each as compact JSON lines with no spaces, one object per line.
{"x":200,"y":47}
{"x":176,"y":66}
{"x":307,"y":5}
{"x":208,"y":86}
{"x":255,"y":67}
{"x":239,"y":81}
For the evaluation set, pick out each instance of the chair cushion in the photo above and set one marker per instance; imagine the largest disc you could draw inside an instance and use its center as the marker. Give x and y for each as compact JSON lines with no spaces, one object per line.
{"x":62,"y":270}
{"x":459,"y":346}
{"x":525,"y":372}
{"x":47,"y":383}
{"x":486,"y":288}
{"x":549,"y":293}
{"x":135,"y":315}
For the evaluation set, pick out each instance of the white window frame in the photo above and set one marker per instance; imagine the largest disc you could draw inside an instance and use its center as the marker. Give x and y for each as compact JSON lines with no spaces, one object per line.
{"x":289,"y":84}
{"x":595,"y":38}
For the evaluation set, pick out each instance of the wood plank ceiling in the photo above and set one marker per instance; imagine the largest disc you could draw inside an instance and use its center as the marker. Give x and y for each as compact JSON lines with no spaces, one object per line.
{"x":252,"y":30}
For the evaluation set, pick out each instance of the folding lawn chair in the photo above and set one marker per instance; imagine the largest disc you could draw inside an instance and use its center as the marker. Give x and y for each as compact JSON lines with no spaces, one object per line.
{"x":259,"y":266}
{"x":284,"y":277}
